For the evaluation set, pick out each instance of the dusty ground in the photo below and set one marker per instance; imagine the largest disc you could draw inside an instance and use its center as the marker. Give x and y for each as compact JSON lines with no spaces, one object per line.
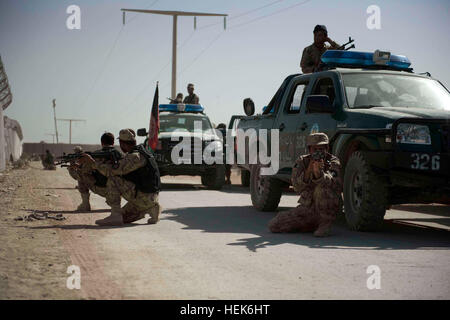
{"x":32,"y":264}
{"x":208,"y":245}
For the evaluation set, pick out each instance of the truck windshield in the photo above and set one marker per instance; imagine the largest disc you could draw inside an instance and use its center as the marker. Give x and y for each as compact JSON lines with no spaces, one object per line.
{"x":172,"y":122}
{"x":370,"y":90}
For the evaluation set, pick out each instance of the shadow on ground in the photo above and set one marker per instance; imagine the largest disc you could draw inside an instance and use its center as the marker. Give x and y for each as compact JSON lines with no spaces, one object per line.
{"x":247,"y":220}
{"x":192,"y":186}
{"x":82,"y":226}
{"x":69,"y":211}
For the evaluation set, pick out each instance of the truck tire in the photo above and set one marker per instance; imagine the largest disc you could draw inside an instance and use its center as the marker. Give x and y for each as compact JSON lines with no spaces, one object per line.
{"x":365,"y":195}
{"x":265,"y":191}
{"x":214,"y":178}
{"x":245,"y":177}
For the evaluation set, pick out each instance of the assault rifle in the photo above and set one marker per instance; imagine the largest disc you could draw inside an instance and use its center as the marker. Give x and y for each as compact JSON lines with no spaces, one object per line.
{"x":343,"y":47}
{"x":112,"y":155}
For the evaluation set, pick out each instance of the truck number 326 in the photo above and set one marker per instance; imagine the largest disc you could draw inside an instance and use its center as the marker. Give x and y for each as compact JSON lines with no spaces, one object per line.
{"x":423,"y":161}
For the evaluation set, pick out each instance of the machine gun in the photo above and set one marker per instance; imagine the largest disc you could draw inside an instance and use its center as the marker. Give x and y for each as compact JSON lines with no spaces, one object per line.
{"x":111,"y":155}
{"x":343,"y":47}
{"x":322,"y":66}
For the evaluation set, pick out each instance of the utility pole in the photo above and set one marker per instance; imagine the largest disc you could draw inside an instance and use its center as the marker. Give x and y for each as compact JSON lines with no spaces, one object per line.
{"x":53,"y":136}
{"x":175,"y":15}
{"x":54,"y":116}
{"x":70,"y":126}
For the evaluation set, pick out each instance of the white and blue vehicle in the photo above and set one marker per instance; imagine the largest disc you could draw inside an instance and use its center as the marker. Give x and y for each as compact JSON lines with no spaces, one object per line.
{"x":189,"y":124}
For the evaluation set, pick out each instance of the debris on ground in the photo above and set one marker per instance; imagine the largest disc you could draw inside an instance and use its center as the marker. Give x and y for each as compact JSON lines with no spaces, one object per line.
{"x":41,"y":216}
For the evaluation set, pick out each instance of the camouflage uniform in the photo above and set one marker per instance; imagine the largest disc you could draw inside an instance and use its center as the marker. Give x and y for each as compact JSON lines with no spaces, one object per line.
{"x":191,"y":99}
{"x":320,"y":199}
{"x":139,"y":203}
{"x":48,"y":161}
{"x":86,"y":180}
{"x":311,"y":56}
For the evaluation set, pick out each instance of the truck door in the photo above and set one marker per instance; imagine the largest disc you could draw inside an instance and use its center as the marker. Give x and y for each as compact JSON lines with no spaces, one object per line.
{"x":318,"y":122}
{"x":287,"y":122}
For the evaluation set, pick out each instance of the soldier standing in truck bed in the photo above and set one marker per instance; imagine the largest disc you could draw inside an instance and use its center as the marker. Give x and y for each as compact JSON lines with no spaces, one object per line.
{"x":192,"y":98}
{"x":311,"y":54}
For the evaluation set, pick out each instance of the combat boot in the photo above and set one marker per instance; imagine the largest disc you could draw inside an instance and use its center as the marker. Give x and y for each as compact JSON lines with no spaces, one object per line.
{"x":115,"y":219}
{"x":323,"y":230}
{"x":154,"y":215}
{"x":84,"y":205}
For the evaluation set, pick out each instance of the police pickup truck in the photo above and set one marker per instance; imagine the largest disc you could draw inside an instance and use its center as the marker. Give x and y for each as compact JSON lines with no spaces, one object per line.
{"x":187,"y":126}
{"x":389,"y":127}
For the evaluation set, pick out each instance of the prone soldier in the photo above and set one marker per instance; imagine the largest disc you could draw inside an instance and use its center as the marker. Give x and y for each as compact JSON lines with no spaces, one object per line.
{"x":88,"y":178}
{"x":317,"y":178}
{"x":135,"y":178}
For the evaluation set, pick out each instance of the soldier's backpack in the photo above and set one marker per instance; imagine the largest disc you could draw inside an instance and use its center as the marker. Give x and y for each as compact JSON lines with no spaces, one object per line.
{"x":147,"y":179}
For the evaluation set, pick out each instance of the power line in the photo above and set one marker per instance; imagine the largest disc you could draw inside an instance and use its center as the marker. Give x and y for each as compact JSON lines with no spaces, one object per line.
{"x":243,"y":14}
{"x":102,"y":69}
{"x":269,"y":15}
{"x":108,"y":56}
{"x":202,"y":52}
{"x":137,"y":15}
{"x":152,"y":81}
{"x":215,"y":39}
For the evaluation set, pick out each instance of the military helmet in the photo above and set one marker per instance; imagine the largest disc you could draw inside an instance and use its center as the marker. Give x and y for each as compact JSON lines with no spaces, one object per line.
{"x":127,"y":135}
{"x":316,"y":139}
{"x":78,"y":149}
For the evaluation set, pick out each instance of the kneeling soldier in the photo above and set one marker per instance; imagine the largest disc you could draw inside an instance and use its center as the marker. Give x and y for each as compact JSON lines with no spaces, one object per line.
{"x":317,"y":178}
{"x":88,"y":178}
{"x":135,"y":178}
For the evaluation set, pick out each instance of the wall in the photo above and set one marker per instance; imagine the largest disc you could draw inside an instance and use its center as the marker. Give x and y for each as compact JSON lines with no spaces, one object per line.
{"x":56,"y":148}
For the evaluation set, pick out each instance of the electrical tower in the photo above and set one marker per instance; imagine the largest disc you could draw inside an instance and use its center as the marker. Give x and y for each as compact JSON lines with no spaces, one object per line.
{"x":70,"y":126}
{"x":175,"y":15}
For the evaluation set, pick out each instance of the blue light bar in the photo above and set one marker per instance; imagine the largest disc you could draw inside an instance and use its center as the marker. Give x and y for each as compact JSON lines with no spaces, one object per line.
{"x":355,"y":59}
{"x":181,"y":108}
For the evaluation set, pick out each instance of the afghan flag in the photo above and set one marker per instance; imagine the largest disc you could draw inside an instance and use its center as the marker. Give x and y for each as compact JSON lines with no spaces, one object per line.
{"x":154,"y":122}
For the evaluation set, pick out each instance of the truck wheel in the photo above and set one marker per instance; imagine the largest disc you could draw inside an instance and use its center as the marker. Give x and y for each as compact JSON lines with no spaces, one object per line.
{"x":245,"y":177}
{"x":365,"y":195}
{"x":214,"y":178}
{"x":265,"y":190}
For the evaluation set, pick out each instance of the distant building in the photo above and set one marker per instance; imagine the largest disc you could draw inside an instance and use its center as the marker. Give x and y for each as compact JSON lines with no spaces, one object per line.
{"x":13,"y":139}
{"x":5,"y":101}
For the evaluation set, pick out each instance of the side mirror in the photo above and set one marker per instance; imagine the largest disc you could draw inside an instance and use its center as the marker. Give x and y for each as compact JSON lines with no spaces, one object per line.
{"x":142,"y":132}
{"x":319,"y":104}
{"x":249,"y":107}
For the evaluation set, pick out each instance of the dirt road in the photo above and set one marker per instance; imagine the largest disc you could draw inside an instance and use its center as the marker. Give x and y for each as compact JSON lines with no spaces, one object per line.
{"x":208,"y":245}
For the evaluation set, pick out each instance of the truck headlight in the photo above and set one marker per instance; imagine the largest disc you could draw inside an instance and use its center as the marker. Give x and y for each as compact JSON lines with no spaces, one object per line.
{"x":413,"y":133}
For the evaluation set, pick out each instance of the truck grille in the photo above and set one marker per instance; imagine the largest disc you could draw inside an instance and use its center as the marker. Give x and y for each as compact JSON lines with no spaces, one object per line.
{"x":196,"y":148}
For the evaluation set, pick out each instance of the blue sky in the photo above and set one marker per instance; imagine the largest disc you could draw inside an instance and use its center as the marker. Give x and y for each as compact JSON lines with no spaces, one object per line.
{"x":106,"y":72}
